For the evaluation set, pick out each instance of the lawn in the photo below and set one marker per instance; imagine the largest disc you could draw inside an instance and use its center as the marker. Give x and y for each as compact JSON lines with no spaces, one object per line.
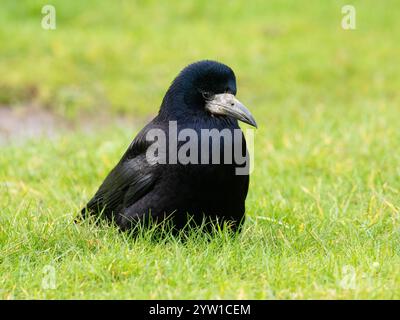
{"x":323,"y":210}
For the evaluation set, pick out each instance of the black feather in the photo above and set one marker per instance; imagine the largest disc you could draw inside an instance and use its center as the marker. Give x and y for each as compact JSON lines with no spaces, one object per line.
{"x":135,"y":189}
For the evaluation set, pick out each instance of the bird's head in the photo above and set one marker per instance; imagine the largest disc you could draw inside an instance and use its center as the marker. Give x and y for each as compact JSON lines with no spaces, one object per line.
{"x":209,"y":88}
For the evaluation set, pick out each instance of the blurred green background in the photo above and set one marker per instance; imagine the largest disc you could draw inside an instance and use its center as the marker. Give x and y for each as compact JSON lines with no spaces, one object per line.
{"x":120,"y":56}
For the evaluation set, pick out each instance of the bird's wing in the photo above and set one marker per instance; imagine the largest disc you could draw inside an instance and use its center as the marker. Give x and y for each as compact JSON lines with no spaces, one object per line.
{"x":130,"y":180}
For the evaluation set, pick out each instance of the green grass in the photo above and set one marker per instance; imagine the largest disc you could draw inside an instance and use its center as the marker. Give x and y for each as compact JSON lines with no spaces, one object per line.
{"x":323,"y":206}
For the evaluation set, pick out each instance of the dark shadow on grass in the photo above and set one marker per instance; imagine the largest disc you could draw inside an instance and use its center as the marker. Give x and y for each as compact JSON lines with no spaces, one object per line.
{"x":155,"y":231}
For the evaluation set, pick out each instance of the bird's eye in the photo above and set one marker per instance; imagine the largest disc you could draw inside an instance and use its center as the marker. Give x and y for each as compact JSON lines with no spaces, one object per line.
{"x":206,"y":95}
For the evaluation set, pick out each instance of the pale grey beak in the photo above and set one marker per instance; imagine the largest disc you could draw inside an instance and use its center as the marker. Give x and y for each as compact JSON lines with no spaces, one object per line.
{"x":227,"y":104}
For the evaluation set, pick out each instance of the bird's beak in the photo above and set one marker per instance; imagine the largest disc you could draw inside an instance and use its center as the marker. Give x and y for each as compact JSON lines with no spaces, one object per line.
{"x":227,"y":104}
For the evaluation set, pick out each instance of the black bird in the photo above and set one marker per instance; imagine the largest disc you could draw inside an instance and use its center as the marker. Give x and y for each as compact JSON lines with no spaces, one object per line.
{"x":139,"y":188}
